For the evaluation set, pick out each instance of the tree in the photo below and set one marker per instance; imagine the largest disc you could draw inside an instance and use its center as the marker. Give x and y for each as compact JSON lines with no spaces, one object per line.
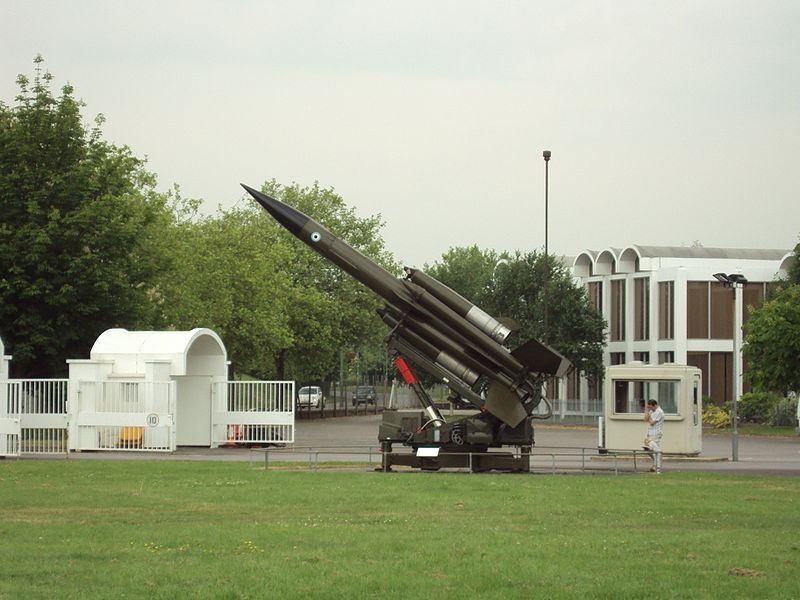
{"x":534,"y":290}
{"x":77,"y":213}
{"x":228,"y":277}
{"x":794,"y":269}
{"x":772,"y":343}
{"x":283,"y":311}
{"x":330,"y":311}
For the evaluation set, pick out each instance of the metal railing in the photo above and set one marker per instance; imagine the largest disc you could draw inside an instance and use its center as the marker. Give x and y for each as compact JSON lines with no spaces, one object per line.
{"x":41,"y":406}
{"x":555,"y":459}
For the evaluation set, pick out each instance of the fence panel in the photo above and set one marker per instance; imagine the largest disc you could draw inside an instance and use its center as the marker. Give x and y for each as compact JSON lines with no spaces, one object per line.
{"x":253,"y":412}
{"x":42,"y":409}
{"x":125,"y":415}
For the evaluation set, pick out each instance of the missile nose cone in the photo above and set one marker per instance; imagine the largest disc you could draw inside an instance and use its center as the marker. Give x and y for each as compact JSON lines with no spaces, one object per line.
{"x":291,"y":218}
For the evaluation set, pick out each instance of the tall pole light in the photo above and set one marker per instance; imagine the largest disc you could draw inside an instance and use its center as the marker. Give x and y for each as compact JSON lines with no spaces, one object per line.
{"x":546,"y":156}
{"x":737,"y":282}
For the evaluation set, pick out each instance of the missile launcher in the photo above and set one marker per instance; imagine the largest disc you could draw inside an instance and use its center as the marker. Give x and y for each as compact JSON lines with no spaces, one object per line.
{"x":444,"y":334}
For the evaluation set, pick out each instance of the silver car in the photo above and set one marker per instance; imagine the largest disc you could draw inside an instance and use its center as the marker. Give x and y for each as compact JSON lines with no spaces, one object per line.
{"x":310,"y":396}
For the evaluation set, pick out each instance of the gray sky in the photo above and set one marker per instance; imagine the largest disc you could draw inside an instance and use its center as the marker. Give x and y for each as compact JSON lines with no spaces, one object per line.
{"x":669,"y":122}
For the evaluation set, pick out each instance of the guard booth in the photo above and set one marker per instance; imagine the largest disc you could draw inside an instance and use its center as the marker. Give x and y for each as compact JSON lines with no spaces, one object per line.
{"x":678,"y":391}
{"x":138,"y":385}
{"x":155,"y":390}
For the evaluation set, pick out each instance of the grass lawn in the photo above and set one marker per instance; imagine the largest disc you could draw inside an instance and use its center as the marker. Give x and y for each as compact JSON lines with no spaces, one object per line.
{"x":85,"y":529}
{"x":755,"y":430}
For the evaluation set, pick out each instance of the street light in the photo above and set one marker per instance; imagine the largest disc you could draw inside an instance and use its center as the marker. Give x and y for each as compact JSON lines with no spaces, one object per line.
{"x":546,"y":156}
{"x":737,"y":281}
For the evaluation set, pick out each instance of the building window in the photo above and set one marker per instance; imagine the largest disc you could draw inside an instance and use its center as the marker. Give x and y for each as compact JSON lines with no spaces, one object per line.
{"x":721,"y":377}
{"x":700,"y":360}
{"x":697,"y":309}
{"x":617,"y":358}
{"x":642,"y":357}
{"x":666,"y":310}
{"x":666,"y":357}
{"x":717,"y":368}
{"x":617,"y":310}
{"x":709,"y":311}
{"x":596,"y":295}
{"x":641,"y":313}
{"x":722,"y":309}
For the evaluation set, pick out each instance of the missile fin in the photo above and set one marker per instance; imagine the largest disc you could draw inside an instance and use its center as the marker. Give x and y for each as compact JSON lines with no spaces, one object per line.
{"x":504,"y":404}
{"x":541,"y":359}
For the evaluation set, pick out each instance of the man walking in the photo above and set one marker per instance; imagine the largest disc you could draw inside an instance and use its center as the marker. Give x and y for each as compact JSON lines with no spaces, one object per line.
{"x":654,"y":416}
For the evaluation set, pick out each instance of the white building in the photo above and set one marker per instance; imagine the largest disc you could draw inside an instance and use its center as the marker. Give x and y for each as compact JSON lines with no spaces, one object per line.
{"x":663,"y":305}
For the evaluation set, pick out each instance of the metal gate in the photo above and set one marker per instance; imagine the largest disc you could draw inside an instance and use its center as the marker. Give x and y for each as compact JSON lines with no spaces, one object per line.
{"x":253,"y":412}
{"x":124,"y":415}
{"x":40,"y":407}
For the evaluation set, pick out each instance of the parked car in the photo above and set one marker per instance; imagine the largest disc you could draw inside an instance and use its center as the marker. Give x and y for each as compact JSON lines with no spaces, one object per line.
{"x":310,"y":396}
{"x":364,"y":395}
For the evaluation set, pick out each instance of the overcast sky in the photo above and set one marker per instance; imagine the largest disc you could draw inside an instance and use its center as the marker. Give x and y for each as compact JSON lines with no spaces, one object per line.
{"x":668,"y":122}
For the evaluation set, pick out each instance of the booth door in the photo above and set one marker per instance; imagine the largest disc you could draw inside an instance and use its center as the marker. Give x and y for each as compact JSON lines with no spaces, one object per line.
{"x":193,"y":411}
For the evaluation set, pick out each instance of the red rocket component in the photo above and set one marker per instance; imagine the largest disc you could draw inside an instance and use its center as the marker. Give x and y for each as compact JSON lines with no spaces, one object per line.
{"x":405,"y":370}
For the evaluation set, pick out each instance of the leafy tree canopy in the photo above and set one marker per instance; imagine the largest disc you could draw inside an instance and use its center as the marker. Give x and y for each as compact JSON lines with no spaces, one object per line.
{"x":772,"y":343}
{"x":75,"y":257}
{"x":534,"y":290}
{"x":283,"y":311}
{"x":329,"y":312}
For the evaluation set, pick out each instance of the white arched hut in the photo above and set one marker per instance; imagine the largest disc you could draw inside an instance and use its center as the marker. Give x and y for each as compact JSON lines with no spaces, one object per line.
{"x":150,"y":390}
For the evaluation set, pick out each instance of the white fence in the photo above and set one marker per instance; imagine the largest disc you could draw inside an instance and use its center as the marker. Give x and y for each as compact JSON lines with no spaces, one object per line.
{"x":39,"y":416}
{"x":253,"y":412}
{"x":572,"y":409}
{"x":40,"y":406}
{"x":124,"y":415}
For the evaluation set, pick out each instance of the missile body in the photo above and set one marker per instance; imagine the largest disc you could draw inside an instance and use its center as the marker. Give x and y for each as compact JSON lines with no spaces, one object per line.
{"x":436,"y":328}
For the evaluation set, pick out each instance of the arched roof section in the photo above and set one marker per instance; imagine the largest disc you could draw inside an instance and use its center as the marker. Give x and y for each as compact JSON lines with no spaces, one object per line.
{"x":196,"y":352}
{"x":628,"y":260}
{"x":787,"y":262}
{"x":606,"y":262}
{"x":583,"y":266}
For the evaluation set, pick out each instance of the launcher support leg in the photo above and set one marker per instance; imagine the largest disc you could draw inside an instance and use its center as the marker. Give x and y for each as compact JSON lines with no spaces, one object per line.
{"x":434,"y":416}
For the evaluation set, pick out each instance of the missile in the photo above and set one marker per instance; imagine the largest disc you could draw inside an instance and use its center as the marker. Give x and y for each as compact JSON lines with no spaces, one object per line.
{"x":435,"y":327}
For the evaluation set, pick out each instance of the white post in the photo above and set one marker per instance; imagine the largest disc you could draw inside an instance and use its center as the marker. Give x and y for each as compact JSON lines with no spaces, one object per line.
{"x":737,"y":370}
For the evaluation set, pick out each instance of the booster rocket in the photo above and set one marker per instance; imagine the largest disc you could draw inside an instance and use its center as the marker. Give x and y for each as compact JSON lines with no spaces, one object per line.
{"x":437,"y":329}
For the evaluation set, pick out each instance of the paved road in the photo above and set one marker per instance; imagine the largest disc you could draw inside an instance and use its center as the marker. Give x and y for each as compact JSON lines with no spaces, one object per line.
{"x":557,"y":448}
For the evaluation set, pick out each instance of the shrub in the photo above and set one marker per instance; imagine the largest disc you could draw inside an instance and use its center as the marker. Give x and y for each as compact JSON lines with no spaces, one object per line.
{"x":757,"y":407}
{"x":784,"y":412}
{"x":715,"y":416}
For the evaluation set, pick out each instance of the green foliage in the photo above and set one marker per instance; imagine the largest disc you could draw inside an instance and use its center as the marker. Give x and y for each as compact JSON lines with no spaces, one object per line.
{"x":329,"y":312}
{"x":535,"y":291}
{"x":88,"y":529}
{"x":715,"y":416}
{"x":784,"y":413}
{"x":77,"y":217}
{"x":228,"y":277}
{"x":757,"y":407}
{"x":794,"y":268}
{"x":282,"y":310}
{"x":772,"y":343}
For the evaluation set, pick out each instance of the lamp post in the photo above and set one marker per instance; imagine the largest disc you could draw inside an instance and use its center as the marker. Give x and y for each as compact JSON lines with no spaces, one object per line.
{"x":546,"y":156}
{"x":737,"y":282}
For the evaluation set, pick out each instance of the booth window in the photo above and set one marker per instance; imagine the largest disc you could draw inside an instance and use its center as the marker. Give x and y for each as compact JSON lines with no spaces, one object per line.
{"x":631,"y":395}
